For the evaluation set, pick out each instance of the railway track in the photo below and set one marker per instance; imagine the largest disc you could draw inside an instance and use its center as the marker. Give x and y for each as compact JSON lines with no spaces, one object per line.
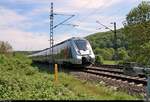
{"x":115,"y":73}
{"x":113,"y":70}
{"x":109,"y":66}
{"x":111,"y":77}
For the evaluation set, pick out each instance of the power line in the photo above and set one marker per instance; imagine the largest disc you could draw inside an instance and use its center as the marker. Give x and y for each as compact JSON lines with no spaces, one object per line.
{"x":93,"y":11}
{"x":52,"y":27}
{"x":51,"y":59}
{"x":115,"y":38}
{"x":63,"y":14}
{"x":104,"y":25}
{"x":87,"y":16}
{"x":96,"y":10}
{"x":74,"y":25}
{"x":64,"y":21}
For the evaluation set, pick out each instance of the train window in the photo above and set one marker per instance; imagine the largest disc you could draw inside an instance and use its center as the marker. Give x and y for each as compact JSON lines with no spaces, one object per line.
{"x":81,"y":44}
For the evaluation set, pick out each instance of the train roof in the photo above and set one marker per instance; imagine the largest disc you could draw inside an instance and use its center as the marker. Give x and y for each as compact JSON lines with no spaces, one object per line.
{"x":73,"y":38}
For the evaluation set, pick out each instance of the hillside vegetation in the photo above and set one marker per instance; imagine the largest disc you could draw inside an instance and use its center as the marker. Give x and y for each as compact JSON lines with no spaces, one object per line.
{"x":106,"y":39}
{"x":103,"y":45}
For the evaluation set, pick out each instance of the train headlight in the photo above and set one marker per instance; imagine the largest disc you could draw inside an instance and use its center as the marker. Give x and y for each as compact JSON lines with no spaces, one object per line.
{"x":79,"y":57}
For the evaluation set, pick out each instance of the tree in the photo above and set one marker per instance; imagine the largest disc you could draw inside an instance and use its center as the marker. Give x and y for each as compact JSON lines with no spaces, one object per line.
{"x":137,"y":32}
{"x":123,"y":54}
{"x":139,"y":14}
{"x":99,"y":59}
{"x":106,"y":53}
{"x":5,"y":47}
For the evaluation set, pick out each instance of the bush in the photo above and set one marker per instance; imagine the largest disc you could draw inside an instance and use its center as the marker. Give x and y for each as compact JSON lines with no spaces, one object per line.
{"x":5,"y":47}
{"x":106,"y":53}
{"x":121,"y":62}
{"x":122,"y":54}
{"x":99,"y":60}
{"x":144,"y":56}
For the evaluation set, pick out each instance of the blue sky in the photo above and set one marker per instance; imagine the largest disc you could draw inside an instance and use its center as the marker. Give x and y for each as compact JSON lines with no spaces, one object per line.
{"x":25,"y":23}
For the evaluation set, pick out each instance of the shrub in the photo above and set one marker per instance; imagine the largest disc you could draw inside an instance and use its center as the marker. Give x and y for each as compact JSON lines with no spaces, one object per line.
{"x":123,"y":54}
{"x":99,"y":60}
{"x":5,"y":47}
{"x":106,"y":53}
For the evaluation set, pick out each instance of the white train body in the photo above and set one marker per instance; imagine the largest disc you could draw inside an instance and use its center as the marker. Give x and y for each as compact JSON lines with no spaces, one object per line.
{"x":73,"y":51}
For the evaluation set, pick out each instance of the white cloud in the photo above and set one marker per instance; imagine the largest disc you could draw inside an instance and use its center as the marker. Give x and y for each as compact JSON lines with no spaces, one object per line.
{"x":30,"y":1}
{"x":13,"y":24}
{"x":72,"y":6}
{"x":90,"y":4}
{"x":85,"y":26}
{"x":12,"y":30}
{"x":61,"y":37}
{"x":10,"y":18}
{"x":21,"y":40}
{"x":14,"y":33}
{"x":90,"y":25}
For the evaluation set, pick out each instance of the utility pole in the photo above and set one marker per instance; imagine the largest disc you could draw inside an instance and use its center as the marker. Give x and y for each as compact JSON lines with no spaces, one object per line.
{"x":51,"y":40}
{"x":52,"y":27}
{"x":51,"y":35}
{"x":115,"y":42}
{"x":115,"y":38}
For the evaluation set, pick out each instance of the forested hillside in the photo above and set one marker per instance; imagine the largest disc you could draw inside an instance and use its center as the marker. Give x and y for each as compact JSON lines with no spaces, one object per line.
{"x":103,"y":44}
{"x":106,"y":39}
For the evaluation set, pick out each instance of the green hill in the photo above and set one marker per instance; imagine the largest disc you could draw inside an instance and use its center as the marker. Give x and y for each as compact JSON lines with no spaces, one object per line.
{"x":103,"y":44}
{"x":106,"y":39}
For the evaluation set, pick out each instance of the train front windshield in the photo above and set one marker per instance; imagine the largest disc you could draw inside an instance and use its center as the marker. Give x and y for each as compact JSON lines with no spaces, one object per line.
{"x":81,"y":44}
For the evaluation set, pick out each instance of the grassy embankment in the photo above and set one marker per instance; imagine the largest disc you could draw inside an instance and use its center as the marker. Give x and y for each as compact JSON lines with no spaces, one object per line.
{"x":111,"y":62}
{"x":20,"y":80}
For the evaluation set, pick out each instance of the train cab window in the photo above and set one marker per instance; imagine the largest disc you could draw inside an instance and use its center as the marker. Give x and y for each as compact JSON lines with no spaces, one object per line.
{"x":81,"y":44}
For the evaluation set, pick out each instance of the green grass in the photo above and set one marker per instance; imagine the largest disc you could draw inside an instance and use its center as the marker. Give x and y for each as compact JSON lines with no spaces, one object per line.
{"x":110,"y":62}
{"x":21,"y":81}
